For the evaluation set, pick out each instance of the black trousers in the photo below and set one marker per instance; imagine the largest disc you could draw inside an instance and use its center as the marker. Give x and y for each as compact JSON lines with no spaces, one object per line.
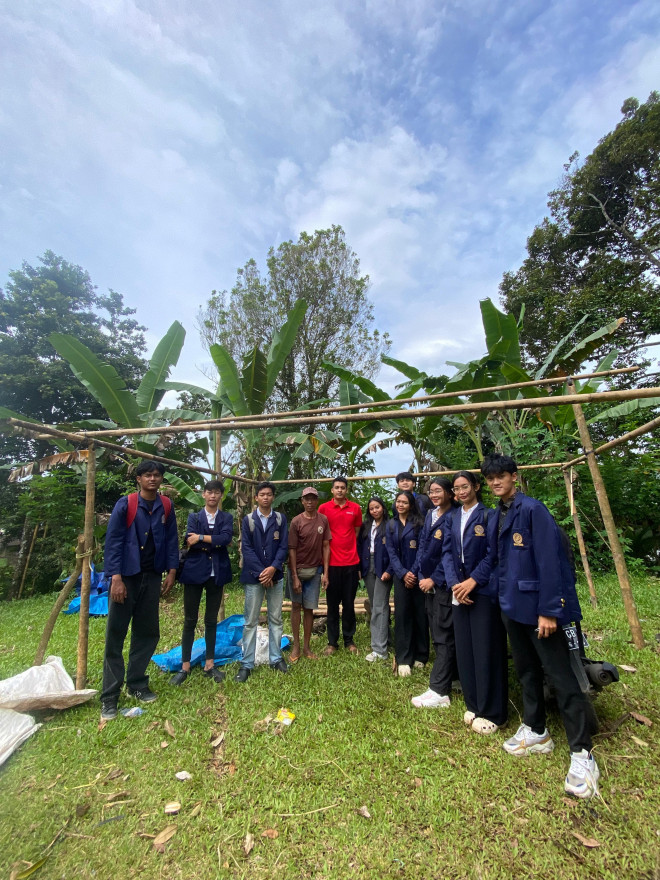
{"x":411,"y":628}
{"x":192,"y":597}
{"x":482,"y":659}
{"x":439,"y":613}
{"x":342,"y":587}
{"x":534,"y":657}
{"x":140,"y":610}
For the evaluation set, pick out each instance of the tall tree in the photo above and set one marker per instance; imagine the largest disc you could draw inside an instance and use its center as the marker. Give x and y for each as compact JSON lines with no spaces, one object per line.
{"x":598,"y":252}
{"x":325,"y":272}
{"x":58,"y":296}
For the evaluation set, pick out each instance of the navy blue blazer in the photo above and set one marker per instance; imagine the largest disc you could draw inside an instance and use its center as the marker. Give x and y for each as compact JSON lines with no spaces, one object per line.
{"x":429,"y":555}
{"x":531,"y":575}
{"x":122,"y":545}
{"x":261,"y":549}
{"x":478,"y":561}
{"x":381,"y":556}
{"x":402,"y":546}
{"x":204,"y":557}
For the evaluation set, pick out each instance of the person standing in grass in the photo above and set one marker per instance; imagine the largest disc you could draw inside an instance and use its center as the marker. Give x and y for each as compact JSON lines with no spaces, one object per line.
{"x":437,"y":597}
{"x":480,"y":635}
{"x":345,"y":519}
{"x":411,"y":631}
{"x":206,"y":569}
{"x":264,"y":547}
{"x":377,"y":576}
{"x":141,"y":543}
{"x":309,"y":557}
{"x":536,"y":593}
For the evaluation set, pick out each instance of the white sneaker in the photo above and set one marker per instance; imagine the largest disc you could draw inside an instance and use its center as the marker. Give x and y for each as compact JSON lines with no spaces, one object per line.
{"x":583,"y":775}
{"x":468,"y":717}
{"x":403,"y":671}
{"x":526,"y":742}
{"x":373,"y":656}
{"x":418,"y":664}
{"x":430,"y":700}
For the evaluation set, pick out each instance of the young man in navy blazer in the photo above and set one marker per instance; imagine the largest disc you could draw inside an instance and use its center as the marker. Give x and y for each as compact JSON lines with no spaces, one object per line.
{"x":206,"y":569}
{"x":137,"y":553}
{"x":536,"y":593}
{"x":264,"y":545}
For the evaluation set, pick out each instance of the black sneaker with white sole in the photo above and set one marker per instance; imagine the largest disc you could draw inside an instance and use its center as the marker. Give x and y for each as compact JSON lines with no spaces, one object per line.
{"x":145,"y":695}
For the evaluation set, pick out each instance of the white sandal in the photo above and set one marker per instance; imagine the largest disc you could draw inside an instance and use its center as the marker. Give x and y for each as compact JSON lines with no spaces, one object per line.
{"x":468,"y":717}
{"x":484,"y":726}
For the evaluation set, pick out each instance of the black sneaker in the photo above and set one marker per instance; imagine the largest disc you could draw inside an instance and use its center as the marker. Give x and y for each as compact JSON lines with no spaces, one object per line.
{"x":180,"y":677}
{"x":216,"y":674}
{"x":146,"y":695}
{"x":108,"y":709}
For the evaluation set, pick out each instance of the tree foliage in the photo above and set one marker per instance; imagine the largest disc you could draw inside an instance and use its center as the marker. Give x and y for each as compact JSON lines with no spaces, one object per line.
{"x":322,"y":270}
{"x":58,"y":296}
{"x":597,"y":255}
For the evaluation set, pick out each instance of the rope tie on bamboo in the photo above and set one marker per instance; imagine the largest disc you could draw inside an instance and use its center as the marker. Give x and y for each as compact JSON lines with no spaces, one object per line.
{"x":83,"y":555}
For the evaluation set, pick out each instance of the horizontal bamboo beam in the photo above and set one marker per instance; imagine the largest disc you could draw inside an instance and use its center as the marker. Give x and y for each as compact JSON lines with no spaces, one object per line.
{"x":273,"y":421}
{"x":229,"y":421}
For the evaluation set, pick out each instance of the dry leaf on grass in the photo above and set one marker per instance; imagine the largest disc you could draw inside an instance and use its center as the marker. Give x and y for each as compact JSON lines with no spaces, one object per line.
{"x":164,"y":744}
{"x":18,"y":874}
{"x":168,"y":727}
{"x":151,"y":726}
{"x":627,"y":668}
{"x":248,"y":844}
{"x":146,"y":836}
{"x":642,"y":719}
{"x":589,"y":842}
{"x":640,"y":742}
{"x":114,"y":774}
{"x":364,"y":812}
{"x":172,"y":808}
{"x":102,"y":724}
{"x":196,"y":810}
{"x":270,"y":833}
{"x":217,"y":741}
{"x":161,"y":839}
{"x":417,"y":782}
{"x":82,"y":810}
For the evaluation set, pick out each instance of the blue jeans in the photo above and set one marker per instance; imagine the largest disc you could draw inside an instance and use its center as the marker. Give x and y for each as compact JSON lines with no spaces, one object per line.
{"x":254,"y":595}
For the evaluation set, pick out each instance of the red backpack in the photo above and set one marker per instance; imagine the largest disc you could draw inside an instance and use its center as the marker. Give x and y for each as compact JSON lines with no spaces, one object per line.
{"x":133,"y":506}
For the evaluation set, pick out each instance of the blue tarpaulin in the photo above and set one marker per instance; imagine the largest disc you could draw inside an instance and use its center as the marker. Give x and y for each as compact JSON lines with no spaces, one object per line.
{"x":228,"y":634}
{"x":98,"y":606}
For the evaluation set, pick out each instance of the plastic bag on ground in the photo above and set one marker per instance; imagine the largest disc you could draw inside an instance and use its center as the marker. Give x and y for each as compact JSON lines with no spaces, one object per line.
{"x":42,"y":687}
{"x":14,"y":730}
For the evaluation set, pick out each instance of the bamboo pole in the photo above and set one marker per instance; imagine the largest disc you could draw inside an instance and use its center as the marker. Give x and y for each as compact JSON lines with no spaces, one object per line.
{"x":444,"y":395}
{"x":610,"y":527}
{"x":273,"y":420}
{"x":568,"y":480}
{"x":27,"y":561}
{"x":630,"y":435}
{"x":59,"y":603}
{"x":217,"y":461}
{"x":83,"y":622}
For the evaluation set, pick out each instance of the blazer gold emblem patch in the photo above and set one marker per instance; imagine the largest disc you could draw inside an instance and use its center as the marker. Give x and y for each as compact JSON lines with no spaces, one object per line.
{"x":276,"y":536}
{"x":518,"y":539}
{"x":438,"y":534}
{"x":413,"y":544}
{"x":479,"y":531}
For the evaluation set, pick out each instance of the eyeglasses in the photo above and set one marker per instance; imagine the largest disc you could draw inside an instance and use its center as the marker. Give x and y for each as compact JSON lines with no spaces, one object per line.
{"x":465,"y":488}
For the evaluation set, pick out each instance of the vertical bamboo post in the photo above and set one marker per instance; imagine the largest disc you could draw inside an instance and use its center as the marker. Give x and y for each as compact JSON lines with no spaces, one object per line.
{"x":83,"y":623}
{"x":568,"y":480}
{"x":27,"y":561}
{"x":608,"y":522}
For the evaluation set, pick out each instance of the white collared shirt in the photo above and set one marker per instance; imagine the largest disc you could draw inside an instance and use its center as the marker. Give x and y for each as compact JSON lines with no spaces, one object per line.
{"x":465,"y":516}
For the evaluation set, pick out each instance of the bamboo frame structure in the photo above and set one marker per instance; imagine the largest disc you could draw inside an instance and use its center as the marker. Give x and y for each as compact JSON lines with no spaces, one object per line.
{"x":93,"y":439}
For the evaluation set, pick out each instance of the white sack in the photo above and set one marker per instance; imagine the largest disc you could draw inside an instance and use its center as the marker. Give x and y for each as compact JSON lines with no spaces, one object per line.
{"x":14,"y":730}
{"x":42,"y":687}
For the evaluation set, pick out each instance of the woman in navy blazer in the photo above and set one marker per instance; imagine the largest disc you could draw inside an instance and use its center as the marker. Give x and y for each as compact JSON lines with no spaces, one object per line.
{"x":437,"y":596}
{"x":206,"y":568}
{"x":411,"y":631}
{"x":478,"y":628}
{"x":377,"y":575}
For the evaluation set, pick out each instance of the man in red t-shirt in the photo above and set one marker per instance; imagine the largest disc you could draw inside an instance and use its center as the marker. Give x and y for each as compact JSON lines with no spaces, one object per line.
{"x":345,"y":519}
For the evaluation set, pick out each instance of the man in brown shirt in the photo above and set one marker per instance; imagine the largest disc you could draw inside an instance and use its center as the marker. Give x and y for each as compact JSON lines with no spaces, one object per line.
{"x":309,"y":556}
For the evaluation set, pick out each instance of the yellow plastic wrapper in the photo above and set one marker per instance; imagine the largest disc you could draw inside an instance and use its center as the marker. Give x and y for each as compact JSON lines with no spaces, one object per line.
{"x":286,"y":717}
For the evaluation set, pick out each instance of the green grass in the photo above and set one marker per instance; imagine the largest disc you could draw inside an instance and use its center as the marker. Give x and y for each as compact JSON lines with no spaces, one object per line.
{"x":444,"y":802}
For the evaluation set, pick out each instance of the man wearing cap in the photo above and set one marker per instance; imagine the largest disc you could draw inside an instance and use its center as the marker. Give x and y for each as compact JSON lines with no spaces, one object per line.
{"x":309,"y":557}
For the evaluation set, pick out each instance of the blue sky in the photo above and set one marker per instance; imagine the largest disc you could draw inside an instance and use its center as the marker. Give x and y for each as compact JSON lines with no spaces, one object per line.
{"x":162,"y":144}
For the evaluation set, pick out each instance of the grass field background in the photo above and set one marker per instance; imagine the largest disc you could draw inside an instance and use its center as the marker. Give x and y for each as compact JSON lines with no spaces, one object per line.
{"x":441,"y":800}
